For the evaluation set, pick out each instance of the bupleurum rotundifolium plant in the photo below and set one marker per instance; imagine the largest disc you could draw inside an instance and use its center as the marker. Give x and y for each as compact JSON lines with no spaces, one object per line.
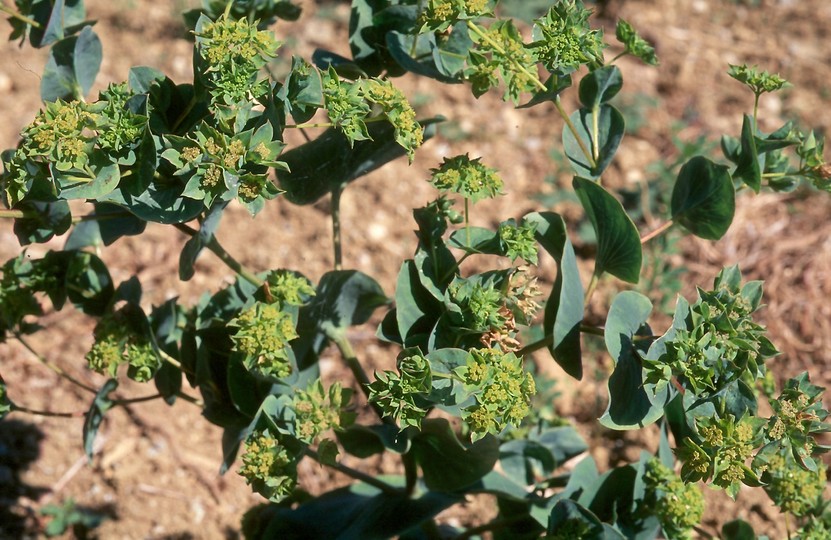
{"x":461,"y":409}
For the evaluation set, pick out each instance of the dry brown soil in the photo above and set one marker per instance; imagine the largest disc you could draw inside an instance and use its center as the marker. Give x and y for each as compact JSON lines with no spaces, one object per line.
{"x":156,"y":468}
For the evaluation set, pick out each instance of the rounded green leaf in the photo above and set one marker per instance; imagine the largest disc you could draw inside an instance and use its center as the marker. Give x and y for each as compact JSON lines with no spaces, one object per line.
{"x":618,"y":242}
{"x":704,"y":199}
{"x":564,"y":308}
{"x":606,"y":126}
{"x":632,"y":404}
{"x":446,"y":463}
{"x":600,"y":86}
{"x":43,"y":221}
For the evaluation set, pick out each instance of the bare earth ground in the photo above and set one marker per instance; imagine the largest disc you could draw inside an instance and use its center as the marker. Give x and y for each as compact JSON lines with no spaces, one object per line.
{"x":155,"y":471}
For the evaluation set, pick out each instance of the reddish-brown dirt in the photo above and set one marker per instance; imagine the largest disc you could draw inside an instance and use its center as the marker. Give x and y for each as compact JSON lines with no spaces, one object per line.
{"x":155,"y":470}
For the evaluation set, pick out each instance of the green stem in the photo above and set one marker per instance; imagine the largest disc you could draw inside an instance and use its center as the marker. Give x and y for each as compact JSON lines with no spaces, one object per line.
{"x":535,"y":345}
{"x":19,"y":16}
{"x":216,"y":248}
{"x":14,"y":214}
{"x":596,"y":133}
{"x":357,"y":475}
{"x":657,"y":232}
{"x":580,"y":142}
{"x":75,"y":414}
{"x":467,"y":221}
{"x":128,"y":401}
{"x":337,"y":239}
{"x":534,"y":77}
{"x":755,"y":112}
{"x":190,"y":399}
{"x":60,"y":372}
{"x":590,"y":289}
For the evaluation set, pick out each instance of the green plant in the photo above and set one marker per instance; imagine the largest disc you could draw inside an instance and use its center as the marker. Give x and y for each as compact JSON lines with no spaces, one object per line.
{"x":457,"y":408}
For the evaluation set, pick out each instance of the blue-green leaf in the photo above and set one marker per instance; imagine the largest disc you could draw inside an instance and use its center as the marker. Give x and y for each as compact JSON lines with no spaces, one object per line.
{"x":92,"y":420}
{"x":600,"y":85}
{"x":631,"y":405}
{"x":748,"y":168}
{"x":446,"y":463}
{"x":564,"y":309}
{"x":600,"y":131}
{"x":618,"y":242}
{"x":703,"y":199}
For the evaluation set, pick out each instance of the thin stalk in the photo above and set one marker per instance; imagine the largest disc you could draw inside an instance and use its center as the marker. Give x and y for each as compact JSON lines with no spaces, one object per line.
{"x":129,"y":401}
{"x":19,"y":16}
{"x":304,"y":125}
{"x":536,"y":345}
{"x":590,"y":289}
{"x":657,"y":232}
{"x":755,"y":111}
{"x":467,"y":221}
{"x":190,"y":399}
{"x":337,"y":238}
{"x":12,"y":214}
{"x":583,"y":148}
{"x":60,"y":372}
{"x":74,"y":414}
{"x":596,"y":133}
{"x":455,"y":267}
{"x":357,"y":475}
{"x":216,"y":248}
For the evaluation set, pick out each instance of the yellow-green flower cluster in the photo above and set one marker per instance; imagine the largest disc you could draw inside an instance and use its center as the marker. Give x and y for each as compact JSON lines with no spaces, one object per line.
{"x":408,"y":132}
{"x":117,"y":343}
{"x":439,"y":15}
{"x":346,"y":106}
{"x":268,"y":467}
{"x":317,"y":411}
{"x":118,"y":127}
{"x":501,"y":387}
{"x":500,"y":49}
{"x":790,"y":486}
{"x":233,"y":52}
{"x":722,"y":453}
{"x":677,"y":505}
{"x":288,"y":288}
{"x":467,"y":177}
{"x":61,"y":134}
{"x":262,"y":337}
{"x":759,"y":82}
{"x":563,"y":39}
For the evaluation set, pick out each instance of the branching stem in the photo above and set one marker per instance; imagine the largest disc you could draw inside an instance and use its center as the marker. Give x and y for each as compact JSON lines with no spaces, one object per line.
{"x":357,"y":475}
{"x":216,"y":248}
{"x":52,"y":414}
{"x":657,"y":232}
{"x":19,"y":16}
{"x":535,"y":80}
{"x":337,"y":238}
{"x":60,"y":372}
{"x":340,"y":340}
